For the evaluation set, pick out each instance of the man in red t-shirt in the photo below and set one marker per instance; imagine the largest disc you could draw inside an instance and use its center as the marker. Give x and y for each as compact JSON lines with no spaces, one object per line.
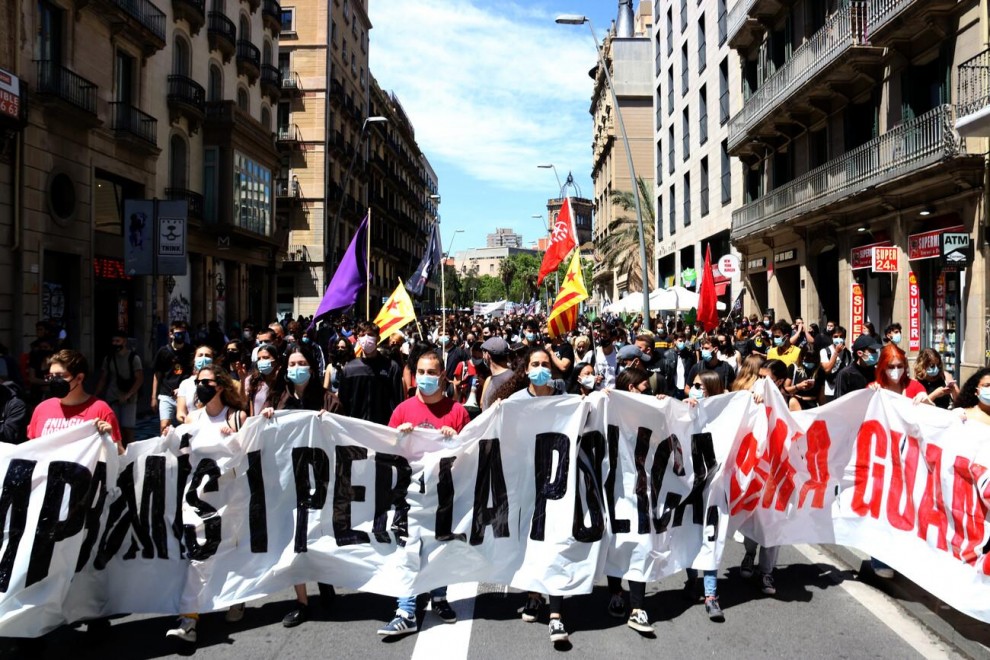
{"x":70,"y":404}
{"x":429,"y":409}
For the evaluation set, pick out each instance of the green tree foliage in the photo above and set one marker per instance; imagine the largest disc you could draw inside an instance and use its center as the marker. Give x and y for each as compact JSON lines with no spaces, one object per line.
{"x":619,"y":247}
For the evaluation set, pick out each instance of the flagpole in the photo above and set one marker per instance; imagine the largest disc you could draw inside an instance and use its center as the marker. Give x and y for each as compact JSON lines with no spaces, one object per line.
{"x":419,"y":329}
{"x":367,"y":270}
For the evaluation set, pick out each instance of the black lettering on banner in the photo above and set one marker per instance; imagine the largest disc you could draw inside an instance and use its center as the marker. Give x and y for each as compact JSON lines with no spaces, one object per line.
{"x":445,"y":508}
{"x":547,"y":488}
{"x":642,"y":493}
{"x":619,"y":525}
{"x":344,"y":493}
{"x":309,"y":496}
{"x":591,"y":455}
{"x":490,"y":483}
{"x":712,"y":521}
{"x":670,"y":503}
{"x":14,"y":500}
{"x":257,"y":508}
{"x":122,"y":518}
{"x":703,"y":462}
{"x":184,"y":469}
{"x":661,"y":459}
{"x":51,"y":528}
{"x":388,"y":495}
{"x":97,"y":498}
{"x":153,"y":503}
{"x":208,"y":471}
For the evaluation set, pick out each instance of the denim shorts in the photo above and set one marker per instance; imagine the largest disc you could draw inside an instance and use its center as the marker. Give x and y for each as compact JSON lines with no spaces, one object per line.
{"x":166,"y":409}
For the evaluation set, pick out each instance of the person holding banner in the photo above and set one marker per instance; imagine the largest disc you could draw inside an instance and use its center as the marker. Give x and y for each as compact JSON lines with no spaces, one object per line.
{"x":264,"y":384}
{"x":804,"y":380}
{"x":862,"y":372}
{"x":938,"y":383}
{"x":185,"y":400}
{"x":584,"y":380}
{"x":429,"y":409}
{"x":974,"y":398}
{"x":303,"y":391}
{"x":371,"y":385}
{"x":222,"y":407}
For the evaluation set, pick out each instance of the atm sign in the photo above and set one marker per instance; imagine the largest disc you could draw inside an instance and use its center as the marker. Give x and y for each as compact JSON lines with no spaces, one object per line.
{"x":884,"y":260}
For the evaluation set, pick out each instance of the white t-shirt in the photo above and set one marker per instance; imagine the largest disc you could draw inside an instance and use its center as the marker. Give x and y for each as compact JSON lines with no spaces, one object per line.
{"x":605,"y":366}
{"x":679,"y":375}
{"x":733,"y":359}
{"x":187,"y":390}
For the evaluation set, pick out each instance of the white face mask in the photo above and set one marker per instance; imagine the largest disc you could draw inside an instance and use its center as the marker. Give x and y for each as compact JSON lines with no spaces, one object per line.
{"x":587,"y":382}
{"x":368,"y":344}
{"x":895,"y":374}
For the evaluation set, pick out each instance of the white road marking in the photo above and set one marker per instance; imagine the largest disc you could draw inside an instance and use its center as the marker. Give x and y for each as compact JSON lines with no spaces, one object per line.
{"x":884,"y":609}
{"x":437,"y":639}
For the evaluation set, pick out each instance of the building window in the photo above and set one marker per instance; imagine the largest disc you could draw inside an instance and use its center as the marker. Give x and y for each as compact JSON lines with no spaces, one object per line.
{"x":687,"y":199}
{"x":288,"y":20}
{"x":686,"y":131}
{"x":704,"y":186}
{"x":178,"y":162}
{"x":244,"y":31}
{"x":333,"y":32}
{"x":703,"y":115}
{"x":702,"y":45}
{"x":125,"y":78}
{"x":723,"y":92}
{"x":684,"y":70}
{"x":670,"y":149}
{"x":659,"y":217}
{"x":722,"y":22}
{"x":252,"y":195}
{"x":215,"y":84}
{"x":266,"y":119}
{"x":211,"y":183}
{"x":50,"y":32}
{"x":670,"y":89}
{"x":726,"y":174}
{"x":180,"y":56}
{"x":243,"y":100}
{"x":659,"y":153}
{"x":672,"y":219}
{"x":670,"y":31}
{"x":684,"y":20}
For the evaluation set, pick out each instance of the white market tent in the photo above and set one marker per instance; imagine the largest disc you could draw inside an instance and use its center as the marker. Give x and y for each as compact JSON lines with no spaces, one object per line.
{"x":677,"y":298}
{"x":631,"y":303}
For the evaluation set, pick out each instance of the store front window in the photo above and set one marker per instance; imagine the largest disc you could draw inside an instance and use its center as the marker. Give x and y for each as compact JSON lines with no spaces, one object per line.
{"x":252,"y":195}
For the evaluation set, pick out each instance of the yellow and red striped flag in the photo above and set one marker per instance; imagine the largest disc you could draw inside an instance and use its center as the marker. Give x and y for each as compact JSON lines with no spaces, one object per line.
{"x":395,"y":313}
{"x":563,"y":315}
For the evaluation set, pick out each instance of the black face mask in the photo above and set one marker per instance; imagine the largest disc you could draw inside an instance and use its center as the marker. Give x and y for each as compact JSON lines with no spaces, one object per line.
{"x":233,"y":356}
{"x":121,"y":347}
{"x":59,"y":388}
{"x":205,"y":393}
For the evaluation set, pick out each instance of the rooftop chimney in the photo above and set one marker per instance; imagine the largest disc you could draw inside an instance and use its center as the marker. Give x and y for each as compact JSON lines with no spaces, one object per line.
{"x":624,"y":24}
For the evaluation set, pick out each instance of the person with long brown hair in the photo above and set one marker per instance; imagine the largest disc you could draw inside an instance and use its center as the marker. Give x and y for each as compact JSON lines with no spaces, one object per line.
{"x":941,"y":387}
{"x":749,"y":372}
{"x":264,"y":385}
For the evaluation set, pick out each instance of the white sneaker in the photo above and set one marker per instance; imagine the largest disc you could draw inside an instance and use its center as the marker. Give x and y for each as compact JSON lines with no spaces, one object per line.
{"x":640,"y":622}
{"x":235,"y":613}
{"x":186,"y":630}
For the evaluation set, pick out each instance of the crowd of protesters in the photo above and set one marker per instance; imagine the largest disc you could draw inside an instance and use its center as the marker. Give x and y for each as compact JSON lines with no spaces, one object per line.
{"x":447,"y":372}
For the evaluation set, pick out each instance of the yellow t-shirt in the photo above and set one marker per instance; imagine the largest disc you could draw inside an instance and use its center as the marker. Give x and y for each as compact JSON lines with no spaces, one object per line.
{"x":788,"y":357}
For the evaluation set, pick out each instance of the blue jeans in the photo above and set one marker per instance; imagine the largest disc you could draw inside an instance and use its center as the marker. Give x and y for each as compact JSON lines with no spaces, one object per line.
{"x":711,"y":580}
{"x":408,"y":604}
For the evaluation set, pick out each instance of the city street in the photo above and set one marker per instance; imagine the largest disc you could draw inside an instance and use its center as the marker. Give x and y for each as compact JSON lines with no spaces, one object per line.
{"x":819,"y":611}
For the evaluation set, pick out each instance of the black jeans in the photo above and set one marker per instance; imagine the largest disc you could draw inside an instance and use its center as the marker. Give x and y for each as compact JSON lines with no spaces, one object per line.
{"x":637,"y":591}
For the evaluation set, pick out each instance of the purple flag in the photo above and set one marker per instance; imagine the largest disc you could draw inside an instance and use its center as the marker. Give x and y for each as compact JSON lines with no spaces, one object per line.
{"x":350,"y":276}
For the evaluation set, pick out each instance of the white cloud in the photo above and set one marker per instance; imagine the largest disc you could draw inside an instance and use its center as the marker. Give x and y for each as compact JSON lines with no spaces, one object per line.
{"x":491,"y":92}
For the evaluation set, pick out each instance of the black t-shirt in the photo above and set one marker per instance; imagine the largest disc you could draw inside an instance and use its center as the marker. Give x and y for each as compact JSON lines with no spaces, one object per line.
{"x":723,"y":369}
{"x":371,"y":388}
{"x":932,"y":385}
{"x":563,"y":351}
{"x":758,"y":344}
{"x":172,"y":366}
{"x":852,"y":378}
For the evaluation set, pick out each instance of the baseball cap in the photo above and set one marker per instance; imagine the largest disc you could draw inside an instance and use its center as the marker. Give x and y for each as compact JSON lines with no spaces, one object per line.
{"x":866,"y":343}
{"x":631,"y":352}
{"x":495,"y":346}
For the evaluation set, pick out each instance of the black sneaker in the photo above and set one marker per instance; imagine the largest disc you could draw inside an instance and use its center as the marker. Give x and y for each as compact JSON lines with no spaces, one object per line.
{"x":442,"y":609}
{"x":296,"y":616}
{"x":558,"y":633}
{"x":531,"y":610}
{"x":617,"y":606}
{"x":747,"y":566}
{"x":714,"y":610}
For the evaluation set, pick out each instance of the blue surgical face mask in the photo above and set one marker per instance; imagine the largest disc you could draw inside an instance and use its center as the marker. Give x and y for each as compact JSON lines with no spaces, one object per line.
{"x":984,"y":394}
{"x":778,"y":341}
{"x":428,"y":384}
{"x":932,"y":371}
{"x":697,"y":393}
{"x":266,"y":366}
{"x":530,"y":336}
{"x":838,"y":341}
{"x":444,"y":339}
{"x":895,"y":338}
{"x":809,"y":365}
{"x":706,"y":354}
{"x":202,"y":361}
{"x":298,"y":375}
{"x":870,"y":359}
{"x":539,"y":376}
{"x":680,"y":346}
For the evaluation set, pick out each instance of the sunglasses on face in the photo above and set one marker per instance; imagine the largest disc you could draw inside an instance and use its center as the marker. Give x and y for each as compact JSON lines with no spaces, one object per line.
{"x":65,"y":375}
{"x":696,"y":386}
{"x":206,"y":381}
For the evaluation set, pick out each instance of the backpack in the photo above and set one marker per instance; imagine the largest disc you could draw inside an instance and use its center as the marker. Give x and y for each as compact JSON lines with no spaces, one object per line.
{"x":123,"y":384}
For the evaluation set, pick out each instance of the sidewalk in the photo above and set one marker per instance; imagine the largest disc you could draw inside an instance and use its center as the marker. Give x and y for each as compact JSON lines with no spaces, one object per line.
{"x":969,"y":636}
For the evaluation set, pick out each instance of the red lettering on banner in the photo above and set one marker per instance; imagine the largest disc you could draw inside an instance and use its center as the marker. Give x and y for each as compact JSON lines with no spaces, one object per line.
{"x":746,"y":460}
{"x":780,"y":483}
{"x":871,"y":439}
{"x":969,"y":512}
{"x":932,"y":508}
{"x":819,"y":443}
{"x":902,"y":478}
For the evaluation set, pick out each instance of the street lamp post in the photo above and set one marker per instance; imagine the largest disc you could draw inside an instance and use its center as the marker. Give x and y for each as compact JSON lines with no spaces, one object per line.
{"x":550,"y":166}
{"x":576,"y":19}
{"x":443,"y":281}
{"x":331,"y":247}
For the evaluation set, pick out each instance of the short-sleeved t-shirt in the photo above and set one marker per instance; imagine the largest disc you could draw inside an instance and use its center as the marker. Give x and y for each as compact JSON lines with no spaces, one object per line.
{"x":445,"y":412}
{"x":172,"y":366}
{"x":51,"y":416}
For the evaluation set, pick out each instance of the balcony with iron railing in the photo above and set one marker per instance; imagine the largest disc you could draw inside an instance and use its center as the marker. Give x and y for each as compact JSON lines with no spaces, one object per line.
{"x":145,"y":20}
{"x":222,"y":35}
{"x":271,"y":15}
{"x":271,"y":82}
{"x":842,"y":33}
{"x":248,"y":60}
{"x":192,"y":11}
{"x":57,"y":82}
{"x":129,"y":122}
{"x":186,"y":98}
{"x":973,"y":94}
{"x":297,"y":252}
{"x":194,"y":200}
{"x":287,"y":188}
{"x":905,"y":149}
{"x":288,"y":137}
{"x":291,"y":86}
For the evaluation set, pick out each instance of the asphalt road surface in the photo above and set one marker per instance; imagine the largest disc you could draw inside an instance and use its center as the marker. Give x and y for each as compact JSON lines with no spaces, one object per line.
{"x":819,"y":611}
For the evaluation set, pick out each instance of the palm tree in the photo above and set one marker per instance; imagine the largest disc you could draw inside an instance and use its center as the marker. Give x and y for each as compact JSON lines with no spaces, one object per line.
{"x":507,"y":272}
{"x":619,"y":246}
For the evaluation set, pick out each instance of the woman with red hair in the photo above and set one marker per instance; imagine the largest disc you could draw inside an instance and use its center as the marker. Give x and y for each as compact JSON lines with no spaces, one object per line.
{"x":892,"y":375}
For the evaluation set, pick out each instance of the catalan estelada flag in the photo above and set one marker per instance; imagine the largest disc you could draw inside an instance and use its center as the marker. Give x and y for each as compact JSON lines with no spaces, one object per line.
{"x":395,"y":313}
{"x":563,"y":316}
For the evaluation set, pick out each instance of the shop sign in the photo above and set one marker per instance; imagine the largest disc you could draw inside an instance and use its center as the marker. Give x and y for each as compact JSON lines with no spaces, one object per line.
{"x":10,"y":95}
{"x":858,"y":310}
{"x":940,"y":312}
{"x":914,"y":313}
{"x":862,"y":257}
{"x":756,"y":264}
{"x":109,"y":269}
{"x":927,"y":244}
{"x":728,"y":265}
{"x":957,"y":248}
{"x":884,"y":259}
{"x":786,"y":255}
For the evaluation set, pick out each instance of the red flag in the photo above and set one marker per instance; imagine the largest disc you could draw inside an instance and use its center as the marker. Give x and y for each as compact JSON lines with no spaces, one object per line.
{"x":707,"y":314}
{"x":562,"y":241}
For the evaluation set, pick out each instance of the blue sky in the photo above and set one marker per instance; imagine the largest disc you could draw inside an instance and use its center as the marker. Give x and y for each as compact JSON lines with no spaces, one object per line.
{"x":493,"y":89}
